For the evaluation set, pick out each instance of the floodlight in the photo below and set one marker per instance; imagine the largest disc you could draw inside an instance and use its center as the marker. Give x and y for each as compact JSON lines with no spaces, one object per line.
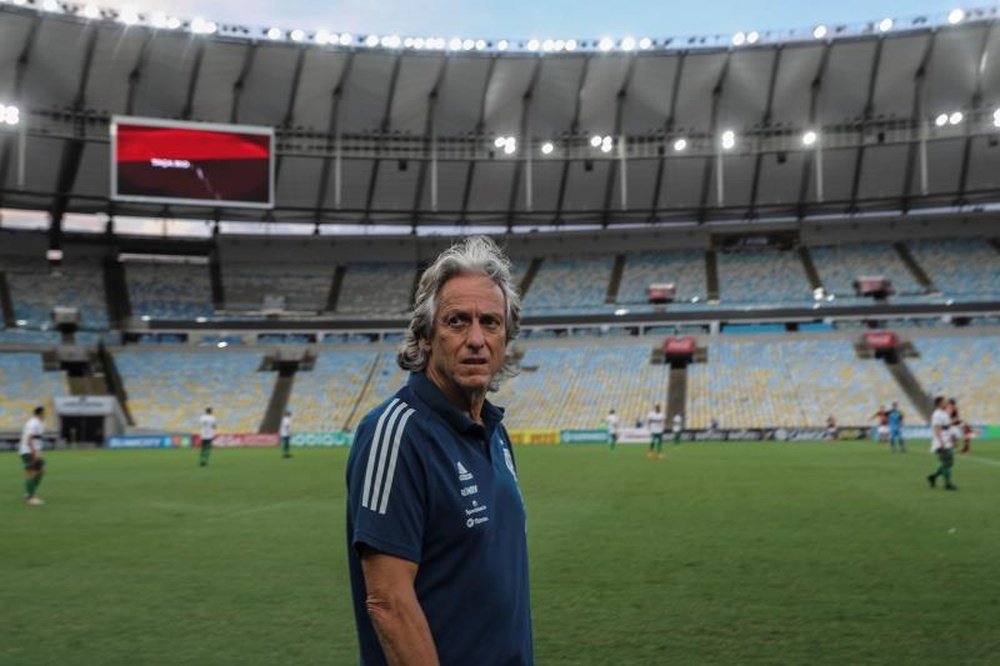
{"x":645,"y":43}
{"x":371,"y":41}
{"x":819,"y":32}
{"x":468,"y":44}
{"x":606,"y":144}
{"x":595,"y":141}
{"x":9,"y":114}
{"x":129,"y":16}
{"x":158,"y":20}
{"x":454,"y":44}
{"x":173,"y":23}
{"x":480,"y":44}
{"x":680,"y":145}
{"x":885,"y":25}
{"x":532,"y":45}
{"x":956,"y":117}
{"x":571,"y":45}
{"x":145,"y":317}
{"x":628,"y":44}
{"x":956,"y":16}
{"x":273,"y":33}
{"x":753,"y":37}
{"x":502,"y":45}
{"x":91,"y":12}
{"x":345,"y":39}
{"x":547,"y":148}
{"x":941,"y":120}
{"x":809,"y":138}
{"x":391,"y":42}
{"x":297,"y":35}
{"x":510,"y":146}
{"x":222,"y":344}
{"x":606,"y":44}
{"x":200,"y":26}
{"x":739,"y":39}
{"x":996,"y":118}
{"x":50,"y":5}
{"x":499,"y":142}
{"x":728,"y":139}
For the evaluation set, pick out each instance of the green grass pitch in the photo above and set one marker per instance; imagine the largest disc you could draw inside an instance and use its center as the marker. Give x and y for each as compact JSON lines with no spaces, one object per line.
{"x":813,"y":553}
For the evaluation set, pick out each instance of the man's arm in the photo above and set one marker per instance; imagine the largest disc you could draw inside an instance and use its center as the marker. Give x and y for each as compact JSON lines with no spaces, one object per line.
{"x":395,"y":612}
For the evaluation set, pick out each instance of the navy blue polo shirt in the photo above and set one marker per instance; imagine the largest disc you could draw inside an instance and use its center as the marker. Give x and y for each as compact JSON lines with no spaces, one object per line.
{"x":427,"y":484}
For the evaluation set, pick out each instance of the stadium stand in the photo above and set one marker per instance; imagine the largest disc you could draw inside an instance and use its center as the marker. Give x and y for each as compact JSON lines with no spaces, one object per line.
{"x":840,"y":265}
{"x":387,"y":378}
{"x":566,"y":284}
{"x":36,"y":287}
{"x":376,"y":289}
{"x":322,"y":398}
{"x":789,"y":383}
{"x":967,"y":269}
{"x":766,"y":276}
{"x":303,"y":287}
{"x":684,"y":268}
{"x":25,"y":384}
{"x":966,"y":368}
{"x":169,"y":291}
{"x":168,"y":390}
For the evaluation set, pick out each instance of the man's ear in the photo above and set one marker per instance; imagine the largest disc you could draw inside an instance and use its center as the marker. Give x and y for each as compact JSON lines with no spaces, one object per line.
{"x":425,"y":344}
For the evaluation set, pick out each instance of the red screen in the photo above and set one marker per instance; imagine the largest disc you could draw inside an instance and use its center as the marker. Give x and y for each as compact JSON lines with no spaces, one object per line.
{"x":189,"y":165}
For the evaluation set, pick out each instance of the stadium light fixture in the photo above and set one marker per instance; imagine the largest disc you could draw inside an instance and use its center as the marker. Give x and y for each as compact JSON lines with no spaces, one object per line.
{"x":628,"y":44}
{"x":454,"y":44}
{"x":549,"y":45}
{"x":346,"y":39}
{"x":91,"y":12}
{"x":297,"y":35}
{"x":468,"y":44}
{"x":728,"y":139}
{"x":606,"y":144}
{"x":499,"y":141}
{"x":391,"y":42}
{"x":22,"y":322}
{"x":145,"y":317}
{"x":753,"y":37}
{"x":645,"y":43}
{"x":956,"y":16}
{"x":173,"y":23}
{"x":830,"y":298}
{"x":533,"y":45}
{"x":502,"y":45}
{"x":818,"y":294}
{"x":739,"y":39}
{"x":941,"y":120}
{"x":680,"y":145}
{"x":159,"y":20}
{"x":606,"y":44}
{"x":323,"y":36}
{"x":480,"y":44}
{"x":996,"y":118}
{"x":409,"y":43}
{"x":510,"y":146}
{"x":50,"y":5}
{"x":200,"y":26}
{"x":956,"y":117}
{"x":621,"y":312}
{"x":571,"y":45}
{"x":809,"y":138}
{"x":222,"y":344}
{"x":595,"y":141}
{"x":885,"y":25}
{"x":128,"y":16}
{"x":273,"y":34}
{"x":547,"y":148}
{"x":371,"y":41}
{"x":9,"y":114}
{"x":820,"y":31}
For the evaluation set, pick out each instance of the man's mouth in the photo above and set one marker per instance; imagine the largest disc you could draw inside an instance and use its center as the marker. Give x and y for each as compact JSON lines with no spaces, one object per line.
{"x":474,"y":361}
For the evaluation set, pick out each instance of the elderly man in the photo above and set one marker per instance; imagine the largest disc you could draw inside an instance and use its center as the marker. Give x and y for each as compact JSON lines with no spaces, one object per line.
{"x":435,"y":521}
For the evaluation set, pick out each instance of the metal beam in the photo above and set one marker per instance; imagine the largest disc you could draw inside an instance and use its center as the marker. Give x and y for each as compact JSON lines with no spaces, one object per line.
{"x":815,"y":90}
{"x":526,"y":99}
{"x":23,"y":60}
{"x":430,"y":129}
{"x":248,"y":60}
{"x":765,"y":123}
{"x":384,"y":125}
{"x":470,"y":173}
{"x":620,"y":101}
{"x":573,"y":129}
{"x":706,"y":180}
{"x":72,"y":153}
{"x":867,"y":114}
{"x":668,"y":127}
{"x":918,"y":114}
{"x":975,"y":103}
{"x":199,"y":56}
{"x":135,"y":76}
{"x":332,"y":133}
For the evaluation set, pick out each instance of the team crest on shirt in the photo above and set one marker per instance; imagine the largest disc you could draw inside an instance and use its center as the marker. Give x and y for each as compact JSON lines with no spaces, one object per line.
{"x":510,"y":462}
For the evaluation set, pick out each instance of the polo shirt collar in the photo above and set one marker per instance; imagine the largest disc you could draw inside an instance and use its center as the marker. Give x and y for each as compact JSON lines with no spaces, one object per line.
{"x":435,"y":398}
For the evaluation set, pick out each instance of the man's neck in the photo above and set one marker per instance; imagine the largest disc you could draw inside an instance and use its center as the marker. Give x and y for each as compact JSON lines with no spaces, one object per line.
{"x":469,"y":403}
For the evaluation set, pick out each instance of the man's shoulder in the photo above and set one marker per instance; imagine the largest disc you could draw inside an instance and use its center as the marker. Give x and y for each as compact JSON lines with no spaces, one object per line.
{"x":401,"y":413}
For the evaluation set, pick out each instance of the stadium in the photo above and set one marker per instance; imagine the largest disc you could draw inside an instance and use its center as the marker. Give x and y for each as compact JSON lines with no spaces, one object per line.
{"x":771,"y":235}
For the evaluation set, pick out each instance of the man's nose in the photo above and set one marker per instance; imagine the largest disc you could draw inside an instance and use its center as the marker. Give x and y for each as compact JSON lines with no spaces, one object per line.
{"x":475,"y":337}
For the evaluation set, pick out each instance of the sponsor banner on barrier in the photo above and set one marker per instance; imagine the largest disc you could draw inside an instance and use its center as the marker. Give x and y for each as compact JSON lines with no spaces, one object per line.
{"x":246,"y":439}
{"x":594,"y":436}
{"x":148,"y":441}
{"x":991,"y":432}
{"x":634,"y":436}
{"x":534,"y":436}
{"x":321,"y":439}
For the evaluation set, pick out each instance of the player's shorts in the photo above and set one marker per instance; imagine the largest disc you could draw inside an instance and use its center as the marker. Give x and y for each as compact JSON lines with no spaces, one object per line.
{"x":946,"y":456}
{"x":883,"y":430}
{"x":35,"y":465}
{"x":206,"y":443}
{"x":657,"y":437}
{"x":896,"y":433}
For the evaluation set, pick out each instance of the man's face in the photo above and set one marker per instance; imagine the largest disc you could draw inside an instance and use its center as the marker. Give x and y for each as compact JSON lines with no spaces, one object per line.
{"x":468,"y":343}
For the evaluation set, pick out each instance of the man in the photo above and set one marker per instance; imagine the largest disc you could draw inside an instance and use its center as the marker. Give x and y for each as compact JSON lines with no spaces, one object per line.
{"x":941,"y":443}
{"x":30,"y":449}
{"x":678,"y":425}
{"x":895,"y":418}
{"x":207,"y":423}
{"x":656,"y":420}
{"x":831,"y":428}
{"x":882,"y":418}
{"x":612,"y":420}
{"x":285,"y":432}
{"x":436,"y":530}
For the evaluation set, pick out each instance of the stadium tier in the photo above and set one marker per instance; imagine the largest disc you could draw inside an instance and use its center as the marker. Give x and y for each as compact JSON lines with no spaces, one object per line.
{"x":25,"y":384}
{"x":966,"y":368}
{"x":376,"y":289}
{"x":386,"y":380}
{"x":685,"y":269}
{"x":168,"y":390}
{"x":766,"y":276}
{"x":36,"y":287}
{"x":569,"y":284}
{"x":839,"y":266}
{"x":960,"y":269}
{"x":302,"y":287}
{"x":323,"y":398}
{"x":169,"y":291}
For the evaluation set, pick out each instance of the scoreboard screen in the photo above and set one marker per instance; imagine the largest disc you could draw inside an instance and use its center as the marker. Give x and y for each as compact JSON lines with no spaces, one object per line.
{"x":186,"y":163}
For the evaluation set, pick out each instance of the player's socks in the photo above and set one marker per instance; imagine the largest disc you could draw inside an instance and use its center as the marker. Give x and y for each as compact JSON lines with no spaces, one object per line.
{"x":38,"y":482}
{"x":29,"y":486}
{"x":932,"y":479}
{"x":947,"y":475}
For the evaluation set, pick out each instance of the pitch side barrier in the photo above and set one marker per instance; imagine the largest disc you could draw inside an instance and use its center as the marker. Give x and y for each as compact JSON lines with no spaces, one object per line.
{"x":643,"y":435}
{"x":230,"y":440}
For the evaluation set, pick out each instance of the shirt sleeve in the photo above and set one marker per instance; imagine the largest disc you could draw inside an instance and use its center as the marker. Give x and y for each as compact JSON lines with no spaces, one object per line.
{"x":386,"y":487}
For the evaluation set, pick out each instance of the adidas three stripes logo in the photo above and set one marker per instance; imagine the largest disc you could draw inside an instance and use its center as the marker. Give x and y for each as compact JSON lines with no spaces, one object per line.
{"x":383,"y":455}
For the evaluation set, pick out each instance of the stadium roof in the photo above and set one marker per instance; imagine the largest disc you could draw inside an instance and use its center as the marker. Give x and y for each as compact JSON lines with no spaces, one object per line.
{"x":843,"y":122}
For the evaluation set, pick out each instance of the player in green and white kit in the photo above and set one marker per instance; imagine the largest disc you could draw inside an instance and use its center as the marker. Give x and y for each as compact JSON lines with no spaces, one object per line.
{"x":285,"y":433}
{"x":207,"y":424}
{"x":942,"y":443}
{"x":612,"y":420}
{"x":30,"y":449}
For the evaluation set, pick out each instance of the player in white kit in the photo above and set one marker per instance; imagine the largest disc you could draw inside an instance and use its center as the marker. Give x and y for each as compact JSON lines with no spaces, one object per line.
{"x":942,"y":443}
{"x":30,"y":448}
{"x":656,"y":420}
{"x":285,"y":433}
{"x":678,"y":426}
{"x":207,"y":425}
{"x":612,"y":421}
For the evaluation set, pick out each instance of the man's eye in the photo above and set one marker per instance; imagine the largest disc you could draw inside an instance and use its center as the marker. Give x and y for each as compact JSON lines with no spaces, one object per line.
{"x":455,"y":322}
{"x":490,"y":324}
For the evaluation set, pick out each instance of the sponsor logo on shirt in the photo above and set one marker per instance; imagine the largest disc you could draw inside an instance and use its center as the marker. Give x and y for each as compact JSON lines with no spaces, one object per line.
{"x":463,"y":474}
{"x":470,"y":490}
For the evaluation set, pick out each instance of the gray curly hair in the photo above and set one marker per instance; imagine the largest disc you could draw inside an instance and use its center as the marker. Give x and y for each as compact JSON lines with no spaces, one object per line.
{"x":472,"y":255}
